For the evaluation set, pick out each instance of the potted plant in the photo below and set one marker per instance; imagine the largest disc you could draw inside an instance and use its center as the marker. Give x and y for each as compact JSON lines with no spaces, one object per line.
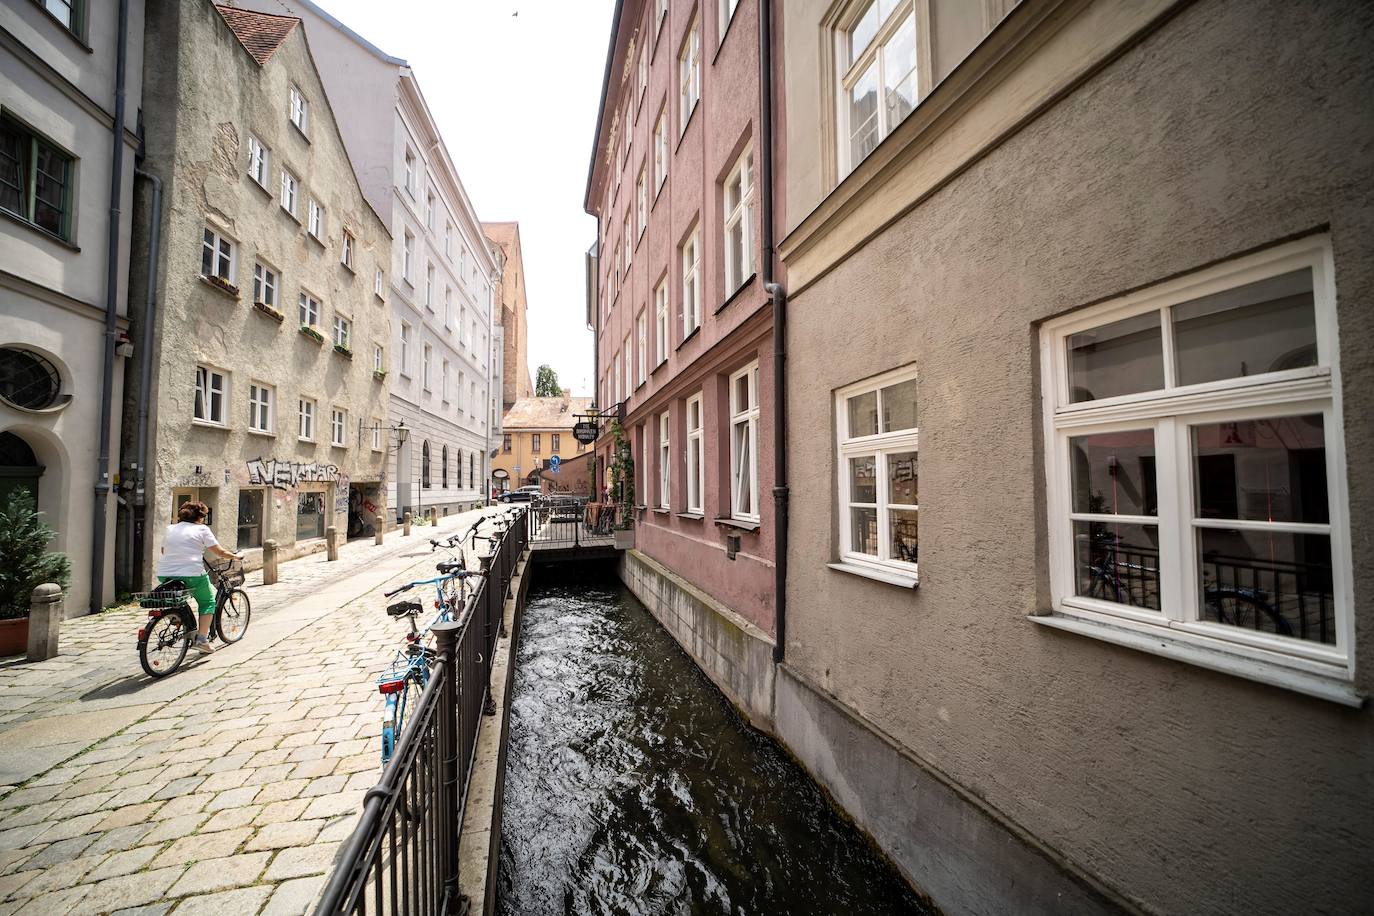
{"x":623,"y":488}
{"x":379,"y":374}
{"x":269,"y":311}
{"x":221,"y":284}
{"x":308,"y":331}
{"x":343,"y":351}
{"x":24,"y":541}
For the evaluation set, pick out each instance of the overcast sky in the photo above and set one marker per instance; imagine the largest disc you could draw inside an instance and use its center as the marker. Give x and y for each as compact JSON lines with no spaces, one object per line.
{"x":516,"y":98}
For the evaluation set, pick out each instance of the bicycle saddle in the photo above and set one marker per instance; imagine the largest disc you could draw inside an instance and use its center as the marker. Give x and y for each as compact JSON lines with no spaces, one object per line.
{"x":447,"y":568}
{"x":402,"y":608}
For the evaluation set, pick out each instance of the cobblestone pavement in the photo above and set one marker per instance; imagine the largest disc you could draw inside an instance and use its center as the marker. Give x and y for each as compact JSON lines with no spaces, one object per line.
{"x":225,"y":788}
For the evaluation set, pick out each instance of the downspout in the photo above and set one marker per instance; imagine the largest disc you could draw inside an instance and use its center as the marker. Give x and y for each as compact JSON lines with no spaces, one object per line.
{"x":778,"y":297}
{"x":102,"y":467}
{"x":145,"y":381}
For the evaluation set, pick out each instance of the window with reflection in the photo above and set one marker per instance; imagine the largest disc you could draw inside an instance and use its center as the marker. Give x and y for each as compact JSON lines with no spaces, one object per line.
{"x":878,"y":472}
{"x":1194,"y":431}
{"x":878,"y":86}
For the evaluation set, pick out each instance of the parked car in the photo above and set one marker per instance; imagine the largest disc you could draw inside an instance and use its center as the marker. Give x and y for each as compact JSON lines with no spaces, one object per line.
{"x":522,"y":495}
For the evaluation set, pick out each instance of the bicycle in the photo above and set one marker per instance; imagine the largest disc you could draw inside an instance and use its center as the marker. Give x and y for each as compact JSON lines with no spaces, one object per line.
{"x":166,"y":636}
{"x":405,"y":680}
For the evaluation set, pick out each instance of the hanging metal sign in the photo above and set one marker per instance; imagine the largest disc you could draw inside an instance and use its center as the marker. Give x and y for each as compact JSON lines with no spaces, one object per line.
{"x":585,"y":431}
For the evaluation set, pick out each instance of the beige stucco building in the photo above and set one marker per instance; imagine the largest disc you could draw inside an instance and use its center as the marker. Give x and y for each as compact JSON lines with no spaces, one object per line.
{"x":271,"y":319}
{"x":1104,"y":267}
{"x":533,"y":431}
{"x":512,"y":317}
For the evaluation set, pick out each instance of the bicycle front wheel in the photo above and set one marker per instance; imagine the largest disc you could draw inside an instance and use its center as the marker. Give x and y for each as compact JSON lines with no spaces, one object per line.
{"x":165,"y":645}
{"x":231,"y":617}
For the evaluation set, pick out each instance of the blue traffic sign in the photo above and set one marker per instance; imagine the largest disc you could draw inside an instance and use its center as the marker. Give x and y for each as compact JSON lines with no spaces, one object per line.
{"x":554,"y":462}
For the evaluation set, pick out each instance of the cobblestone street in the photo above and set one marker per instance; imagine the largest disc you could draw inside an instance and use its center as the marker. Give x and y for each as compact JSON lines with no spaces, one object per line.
{"x":225,"y":788}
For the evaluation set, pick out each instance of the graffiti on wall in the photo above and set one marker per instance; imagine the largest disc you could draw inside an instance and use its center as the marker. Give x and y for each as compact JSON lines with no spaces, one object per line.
{"x":286,"y":475}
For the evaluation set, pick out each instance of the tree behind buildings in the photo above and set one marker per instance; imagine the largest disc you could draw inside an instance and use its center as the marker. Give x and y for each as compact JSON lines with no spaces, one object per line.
{"x":546,"y":383}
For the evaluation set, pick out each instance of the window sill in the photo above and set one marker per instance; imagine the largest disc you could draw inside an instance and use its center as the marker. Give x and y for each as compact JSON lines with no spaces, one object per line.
{"x":293,"y":217}
{"x":686,"y":123}
{"x":66,"y":30}
{"x":262,"y":432}
{"x":693,"y":515}
{"x":1204,"y":653}
{"x":346,"y":266}
{"x":224,"y":289}
{"x":661,"y":363}
{"x":57,"y":239}
{"x":659,"y":510}
{"x":730,"y":299}
{"x":695,"y":331}
{"x":299,"y":132}
{"x":267,"y":192}
{"x":305,"y":440}
{"x":209,"y":424}
{"x":314,"y":238}
{"x":742,"y":524}
{"x":891,"y":577}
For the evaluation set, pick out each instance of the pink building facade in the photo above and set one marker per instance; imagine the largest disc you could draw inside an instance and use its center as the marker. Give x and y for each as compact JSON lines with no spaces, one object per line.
{"x":684,"y":324}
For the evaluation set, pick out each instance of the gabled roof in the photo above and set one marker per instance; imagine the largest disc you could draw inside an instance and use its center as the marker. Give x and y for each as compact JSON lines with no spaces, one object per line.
{"x":261,"y":34}
{"x":545,"y":413}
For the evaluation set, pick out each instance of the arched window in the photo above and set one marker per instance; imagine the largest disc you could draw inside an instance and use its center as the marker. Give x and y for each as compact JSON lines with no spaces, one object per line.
{"x":424,"y":465}
{"x":443,"y":468}
{"x":27,"y":380}
{"x":19,"y":468}
{"x":472,"y":471}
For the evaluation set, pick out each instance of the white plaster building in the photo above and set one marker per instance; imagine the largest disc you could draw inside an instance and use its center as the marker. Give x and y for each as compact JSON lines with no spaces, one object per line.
{"x":58,"y":66}
{"x":443,"y":271}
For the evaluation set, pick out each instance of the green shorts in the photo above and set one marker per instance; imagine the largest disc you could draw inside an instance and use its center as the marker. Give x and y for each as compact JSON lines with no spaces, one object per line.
{"x":200,"y":589}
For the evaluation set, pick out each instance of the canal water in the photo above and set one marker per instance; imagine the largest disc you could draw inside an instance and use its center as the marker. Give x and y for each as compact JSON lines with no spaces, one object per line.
{"x":632,"y":787}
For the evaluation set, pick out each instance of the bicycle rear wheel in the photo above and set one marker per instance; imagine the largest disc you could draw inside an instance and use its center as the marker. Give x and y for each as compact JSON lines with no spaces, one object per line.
{"x":1245,"y":611}
{"x":231,"y":617}
{"x":165,"y":645}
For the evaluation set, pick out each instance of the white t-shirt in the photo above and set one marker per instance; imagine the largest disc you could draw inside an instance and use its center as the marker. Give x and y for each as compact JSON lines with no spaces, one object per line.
{"x":183,"y":549}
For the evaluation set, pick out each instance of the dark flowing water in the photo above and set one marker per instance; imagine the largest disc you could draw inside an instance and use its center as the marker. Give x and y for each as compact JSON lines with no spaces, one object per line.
{"x":633,"y":787}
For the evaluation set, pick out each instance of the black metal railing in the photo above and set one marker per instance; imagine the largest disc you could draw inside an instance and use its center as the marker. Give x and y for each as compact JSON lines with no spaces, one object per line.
{"x":403,"y":855}
{"x":560,"y":522}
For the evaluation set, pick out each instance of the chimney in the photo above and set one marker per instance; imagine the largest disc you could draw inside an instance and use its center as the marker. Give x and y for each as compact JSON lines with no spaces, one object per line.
{"x":567,"y":394}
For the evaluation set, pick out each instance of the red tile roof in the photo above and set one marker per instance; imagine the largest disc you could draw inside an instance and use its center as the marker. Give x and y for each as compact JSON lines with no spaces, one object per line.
{"x":259,"y":33}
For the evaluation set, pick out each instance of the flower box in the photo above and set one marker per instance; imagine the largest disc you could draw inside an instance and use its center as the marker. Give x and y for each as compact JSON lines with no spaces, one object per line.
{"x":220,"y":284}
{"x":308,"y":331}
{"x":343,"y":351}
{"x":270,"y":312}
{"x":379,"y":374}
{"x":14,"y":636}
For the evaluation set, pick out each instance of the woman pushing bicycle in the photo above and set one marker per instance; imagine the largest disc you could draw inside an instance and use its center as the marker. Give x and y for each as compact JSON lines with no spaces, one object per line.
{"x":183,"y":557}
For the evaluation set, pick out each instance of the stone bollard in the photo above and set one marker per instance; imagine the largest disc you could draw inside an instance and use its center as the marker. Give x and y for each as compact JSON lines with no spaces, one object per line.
{"x":406,"y":532}
{"x":45,"y":619}
{"x":378,"y":528}
{"x":331,"y":543}
{"x":269,"y":562}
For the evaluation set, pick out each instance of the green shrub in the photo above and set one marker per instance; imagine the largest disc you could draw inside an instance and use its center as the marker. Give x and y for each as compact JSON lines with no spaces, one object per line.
{"x":25,"y":562}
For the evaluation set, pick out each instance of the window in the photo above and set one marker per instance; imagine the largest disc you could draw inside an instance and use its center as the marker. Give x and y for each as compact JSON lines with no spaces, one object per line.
{"x":315,"y":223}
{"x":878,"y":430}
{"x":505,"y":443}
{"x":217,"y":256}
{"x":661,"y":149}
{"x":310,"y":514}
{"x":410,"y":172}
{"x":660,"y":14}
{"x":28,"y":380}
{"x":443,"y":466}
{"x":448,"y":308}
{"x":727,"y":12}
{"x":642,"y":347}
{"x":405,"y":348}
{"x":300,"y":110}
{"x":338,"y":422}
{"x":691,"y":283}
{"x":68,"y":12}
{"x":629,"y":242}
{"x":615,"y":380}
{"x":739,"y":223}
{"x":35,"y":179}
{"x":629,"y":366}
{"x":448,"y":240}
{"x":378,"y":358}
{"x":376,"y":434}
{"x":379,"y":283}
{"x":665,"y":459}
{"x":260,"y":407}
{"x":306,"y":415}
{"x":424,"y":465}
{"x":210,"y":395}
{"x":264,"y":285}
{"x":554,"y":442}
{"x":689,"y":76}
{"x":661,"y":322}
{"x":429,"y":213}
{"x":426,"y":356}
{"x":1196,"y":467}
{"x":347,"y":252}
{"x":642,"y":202}
{"x":407,"y":256}
{"x":290,"y":189}
{"x":878,"y":83}
{"x":744,"y":441}
{"x":429,"y":287}
{"x":257,"y":160}
{"x":642,"y":77}
{"x":534,"y":443}
{"x":472,"y":471}
{"x":250,"y":525}
{"x":343,"y":332}
{"x":443,"y":381}
{"x":460,"y":391}
{"x":309,"y":308}
{"x":696,"y":465}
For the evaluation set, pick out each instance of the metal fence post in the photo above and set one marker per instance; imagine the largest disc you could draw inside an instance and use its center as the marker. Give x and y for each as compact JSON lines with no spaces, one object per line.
{"x":446,"y":638}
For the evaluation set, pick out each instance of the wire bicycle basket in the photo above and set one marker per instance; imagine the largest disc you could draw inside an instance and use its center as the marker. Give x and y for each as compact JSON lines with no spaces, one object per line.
{"x":228,"y":574}
{"x":167,"y":595}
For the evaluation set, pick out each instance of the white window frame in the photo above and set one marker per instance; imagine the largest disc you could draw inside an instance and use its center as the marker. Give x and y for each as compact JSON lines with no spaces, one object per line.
{"x":689,"y":75}
{"x":641,"y":203}
{"x":665,"y":459}
{"x":407,"y":256}
{"x":429,"y":210}
{"x":627,"y":348}
{"x":615,"y":380}
{"x":880,"y":446}
{"x":261,"y":407}
{"x":745,"y":416}
{"x":410,"y":170}
{"x":727,"y":14}
{"x":1178,"y":630}
{"x":338,"y":427}
{"x":661,"y":322}
{"x":379,"y":283}
{"x":642,"y":353}
{"x":691,"y":282}
{"x":629,"y":249}
{"x":290,"y":192}
{"x":346,"y":250}
{"x":426,"y":359}
{"x":266,"y":283}
{"x":405,"y":348}
{"x":259,"y":161}
{"x":315,"y":219}
{"x":443,"y":380}
{"x":661,"y":154}
{"x":849,"y":71}
{"x":378,"y":358}
{"x":305,"y":419}
{"x":448,"y":240}
{"x":429,"y":287}
{"x":695,"y":454}
{"x":211,"y":390}
{"x":741,"y":217}
{"x":308,"y":310}
{"x":343,"y":331}
{"x":376,"y":434}
{"x":299,"y":110}
{"x":218,"y":260}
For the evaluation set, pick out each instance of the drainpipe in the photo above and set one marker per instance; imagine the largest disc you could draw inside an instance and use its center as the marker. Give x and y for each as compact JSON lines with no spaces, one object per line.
{"x":102,"y":467}
{"x":778,"y":297}
{"x":145,"y":382}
